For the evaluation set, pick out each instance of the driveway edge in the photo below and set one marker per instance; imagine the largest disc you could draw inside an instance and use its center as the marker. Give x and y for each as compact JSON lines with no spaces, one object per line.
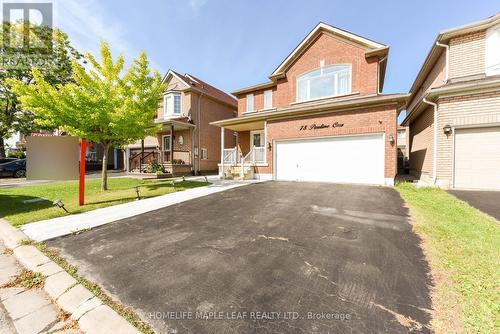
{"x":92,"y":315}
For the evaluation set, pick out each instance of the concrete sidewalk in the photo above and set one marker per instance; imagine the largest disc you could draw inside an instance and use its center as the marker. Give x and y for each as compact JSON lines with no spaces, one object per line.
{"x":27,"y":310}
{"x":62,"y":305}
{"x":52,"y":228}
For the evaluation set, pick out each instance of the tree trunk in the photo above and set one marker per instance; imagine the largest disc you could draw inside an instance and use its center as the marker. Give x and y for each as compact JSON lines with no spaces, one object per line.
{"x":104,"y":176}
{"x":2,"y":148}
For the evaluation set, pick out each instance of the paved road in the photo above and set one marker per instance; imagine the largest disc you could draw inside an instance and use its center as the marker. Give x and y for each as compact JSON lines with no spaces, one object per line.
{"x":315,"y":250}
{"x":486,"y":201}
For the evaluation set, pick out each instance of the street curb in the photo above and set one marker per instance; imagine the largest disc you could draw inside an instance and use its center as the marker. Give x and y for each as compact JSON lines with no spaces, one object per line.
{"x":92,"y":315}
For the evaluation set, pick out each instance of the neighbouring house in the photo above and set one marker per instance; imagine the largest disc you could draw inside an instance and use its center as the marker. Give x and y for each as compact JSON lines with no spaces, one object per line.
{"x":186,"y":143}
{"x":321,"y":117}
{"x":454,"y":109}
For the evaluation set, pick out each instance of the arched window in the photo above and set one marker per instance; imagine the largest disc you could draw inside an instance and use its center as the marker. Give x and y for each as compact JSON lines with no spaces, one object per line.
{"x":326,"y":81}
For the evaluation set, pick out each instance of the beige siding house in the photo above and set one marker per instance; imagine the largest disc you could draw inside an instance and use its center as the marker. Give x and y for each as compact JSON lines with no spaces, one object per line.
{"x":453,"y":113}
{"x":186,"y":142}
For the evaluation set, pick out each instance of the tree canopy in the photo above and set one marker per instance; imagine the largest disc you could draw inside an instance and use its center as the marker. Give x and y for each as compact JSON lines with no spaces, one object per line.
{"x":54,"y":67}
{"x":102,"y":103}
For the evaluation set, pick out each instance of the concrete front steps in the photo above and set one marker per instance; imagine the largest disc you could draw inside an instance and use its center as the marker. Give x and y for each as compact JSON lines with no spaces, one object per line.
{"x":234,"y":173}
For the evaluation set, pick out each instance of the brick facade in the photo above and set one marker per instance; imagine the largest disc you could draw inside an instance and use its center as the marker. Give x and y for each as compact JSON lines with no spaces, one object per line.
{"x":368,"y":116}
{"x":363,"y":121}
{"x":330,"y":49}
{"x":467,"y":54}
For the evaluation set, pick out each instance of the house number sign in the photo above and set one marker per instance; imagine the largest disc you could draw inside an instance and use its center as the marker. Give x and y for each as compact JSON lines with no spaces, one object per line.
{"x":321,"y":126}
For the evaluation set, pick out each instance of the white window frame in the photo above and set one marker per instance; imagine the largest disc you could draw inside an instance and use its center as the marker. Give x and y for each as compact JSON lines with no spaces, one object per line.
{"x":268,"y":99}
{"x":492,"y":51}
{"x":204,"y":154}
{"x":308,"y":80}
{"x":169,"y":149}
{"x":261,"y":132}
{"x":169,"y":108}
{"x":250,"y":102}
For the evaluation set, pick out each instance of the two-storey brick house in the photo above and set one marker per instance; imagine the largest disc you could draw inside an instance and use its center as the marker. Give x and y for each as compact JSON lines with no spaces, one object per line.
{"x":453,"y":113}
{"x":186,"y":143}
{"x":321,"y":117}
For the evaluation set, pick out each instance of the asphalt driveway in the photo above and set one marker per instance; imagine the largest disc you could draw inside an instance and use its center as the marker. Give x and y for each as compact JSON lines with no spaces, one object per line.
{"x":274,"y":257}
{"x":486,"y":201}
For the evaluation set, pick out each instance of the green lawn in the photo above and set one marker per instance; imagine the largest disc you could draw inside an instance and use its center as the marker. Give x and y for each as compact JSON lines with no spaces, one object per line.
{"x":463,"y":246}
{"x":120,"y":190}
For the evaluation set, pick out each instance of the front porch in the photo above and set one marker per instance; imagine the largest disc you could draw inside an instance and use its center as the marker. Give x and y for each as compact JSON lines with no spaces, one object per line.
{"x":241,"y":162}
{"x":170,"y":151}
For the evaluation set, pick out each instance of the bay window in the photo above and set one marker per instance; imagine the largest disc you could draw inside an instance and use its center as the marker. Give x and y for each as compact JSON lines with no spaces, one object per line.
{"x":326,"y":81}
{"x":172,"y":105}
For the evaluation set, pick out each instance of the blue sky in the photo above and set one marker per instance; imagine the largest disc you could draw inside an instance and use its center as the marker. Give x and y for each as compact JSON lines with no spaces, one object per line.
{"x":233,"y":44}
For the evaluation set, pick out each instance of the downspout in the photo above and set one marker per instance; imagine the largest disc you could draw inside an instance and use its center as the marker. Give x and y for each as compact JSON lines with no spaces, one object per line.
{"x":435,"y":140}
{"x":378,"y":74}
{"x":199,"y":132}
{"x":447,"y":61}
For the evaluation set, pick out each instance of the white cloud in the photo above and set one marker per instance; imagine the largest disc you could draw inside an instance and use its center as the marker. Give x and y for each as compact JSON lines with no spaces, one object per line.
{"x":87,"y":24}
{"x":196,"y":5}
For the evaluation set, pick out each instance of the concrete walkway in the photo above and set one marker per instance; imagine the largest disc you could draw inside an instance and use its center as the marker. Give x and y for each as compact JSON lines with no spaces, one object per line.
{"x":52,"y":228}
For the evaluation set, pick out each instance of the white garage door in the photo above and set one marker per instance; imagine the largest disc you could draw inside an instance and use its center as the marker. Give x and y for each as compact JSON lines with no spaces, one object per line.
{"x":477,"y":158}
{"x":352,"y":159}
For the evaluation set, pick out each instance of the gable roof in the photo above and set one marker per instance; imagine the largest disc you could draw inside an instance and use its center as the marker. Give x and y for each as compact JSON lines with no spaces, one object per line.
{"x":201,"y":86}
{"x":372,"y":49}
{"x":321,"y":28}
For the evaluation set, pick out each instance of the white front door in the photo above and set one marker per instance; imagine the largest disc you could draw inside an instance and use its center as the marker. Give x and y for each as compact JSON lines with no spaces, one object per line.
{"x":343,"y":159}
{"x":477,"y":158}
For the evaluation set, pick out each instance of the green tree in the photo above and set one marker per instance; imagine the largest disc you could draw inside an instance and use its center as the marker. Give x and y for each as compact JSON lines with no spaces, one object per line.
{"x":103,"y":104}
{"x":55,"y":69}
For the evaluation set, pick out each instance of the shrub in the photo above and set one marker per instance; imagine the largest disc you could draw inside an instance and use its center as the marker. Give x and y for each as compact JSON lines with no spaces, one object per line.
{"x":16,"y":154}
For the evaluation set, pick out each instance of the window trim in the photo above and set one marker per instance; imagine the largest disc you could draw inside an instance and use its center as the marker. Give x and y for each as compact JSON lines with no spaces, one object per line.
{"x":204,"y":156}
{"x":163,"y":143}
{"x":166,"y":112}
{"x":270,"y":97}
{"x":308,"y":84}
{"x":261,"y":132}
{"x":253,"y":102}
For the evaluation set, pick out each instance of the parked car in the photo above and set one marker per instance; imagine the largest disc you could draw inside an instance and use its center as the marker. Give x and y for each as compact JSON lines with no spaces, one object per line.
{"x":5,"y":160}
{"x":16,"y":168}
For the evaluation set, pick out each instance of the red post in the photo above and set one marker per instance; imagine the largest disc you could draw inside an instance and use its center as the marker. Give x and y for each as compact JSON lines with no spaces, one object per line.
{"x":81,"y":192}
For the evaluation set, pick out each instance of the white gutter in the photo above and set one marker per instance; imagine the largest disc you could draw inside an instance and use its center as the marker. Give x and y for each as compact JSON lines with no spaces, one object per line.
{"x":435,"y":139}
{"x":447,"y":62}
{"x":378,"y":74}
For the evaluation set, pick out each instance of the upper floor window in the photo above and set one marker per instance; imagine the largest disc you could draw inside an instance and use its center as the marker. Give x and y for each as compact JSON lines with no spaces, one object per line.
{"x":325,"y":81}
{"x":249,"y":102}
{"x":172,"y":104}
{"x":268,"y":99}
{"x":492,"y":52}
